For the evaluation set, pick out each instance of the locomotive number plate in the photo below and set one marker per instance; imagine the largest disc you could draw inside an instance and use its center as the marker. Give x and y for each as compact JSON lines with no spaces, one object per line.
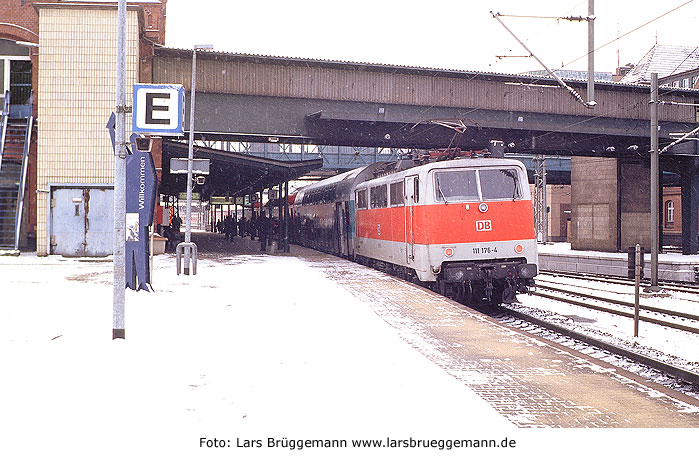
{"x":485,"y":250}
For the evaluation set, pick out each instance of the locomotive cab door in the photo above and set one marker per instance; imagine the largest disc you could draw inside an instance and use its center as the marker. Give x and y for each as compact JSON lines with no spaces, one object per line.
{"x":412,"y":196}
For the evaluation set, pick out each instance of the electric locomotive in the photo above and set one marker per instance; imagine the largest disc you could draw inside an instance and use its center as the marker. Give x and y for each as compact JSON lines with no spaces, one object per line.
{"x":462,"y":227}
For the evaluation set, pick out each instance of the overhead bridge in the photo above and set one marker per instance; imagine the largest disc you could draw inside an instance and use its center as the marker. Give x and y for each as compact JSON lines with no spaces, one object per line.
{"x":261,"y":99}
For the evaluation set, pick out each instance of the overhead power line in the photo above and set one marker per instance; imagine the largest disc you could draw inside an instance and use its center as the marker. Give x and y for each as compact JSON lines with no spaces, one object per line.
{"x":630,"y":32}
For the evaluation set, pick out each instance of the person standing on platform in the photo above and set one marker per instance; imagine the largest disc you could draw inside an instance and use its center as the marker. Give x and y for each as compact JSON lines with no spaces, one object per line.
{"x":263,"y":225}
{"x":228,"y":227}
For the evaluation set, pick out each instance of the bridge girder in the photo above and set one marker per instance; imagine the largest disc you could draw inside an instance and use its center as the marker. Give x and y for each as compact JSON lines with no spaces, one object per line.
{"x":321,"y":122}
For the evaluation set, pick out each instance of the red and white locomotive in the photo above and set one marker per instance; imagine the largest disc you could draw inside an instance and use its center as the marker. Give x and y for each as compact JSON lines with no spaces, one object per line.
{"x":463,"y":227}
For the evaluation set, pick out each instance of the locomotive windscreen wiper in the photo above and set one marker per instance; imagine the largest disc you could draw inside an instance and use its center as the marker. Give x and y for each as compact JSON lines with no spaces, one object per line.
{"x":439,"y":187}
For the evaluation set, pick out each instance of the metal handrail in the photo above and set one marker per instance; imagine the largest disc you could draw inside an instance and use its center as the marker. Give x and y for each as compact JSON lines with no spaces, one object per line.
{"x":3,"y":123}
{"x":22,"y":179}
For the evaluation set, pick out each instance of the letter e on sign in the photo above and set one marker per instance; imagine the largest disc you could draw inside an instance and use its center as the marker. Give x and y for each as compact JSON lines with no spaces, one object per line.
{"x":483,"y":226}
{"x":158,"y":109}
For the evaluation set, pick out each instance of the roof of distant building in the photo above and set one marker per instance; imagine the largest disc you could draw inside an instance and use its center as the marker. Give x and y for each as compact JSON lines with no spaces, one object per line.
{"x":664,"y":60}
{"x":573,"y":74}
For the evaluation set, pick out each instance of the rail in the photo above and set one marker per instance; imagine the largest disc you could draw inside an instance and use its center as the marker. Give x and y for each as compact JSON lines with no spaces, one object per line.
{"x":674,"y":371}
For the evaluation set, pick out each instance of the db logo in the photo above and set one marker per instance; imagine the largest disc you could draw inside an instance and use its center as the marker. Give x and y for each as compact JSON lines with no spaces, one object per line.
{"x":483,"y":226}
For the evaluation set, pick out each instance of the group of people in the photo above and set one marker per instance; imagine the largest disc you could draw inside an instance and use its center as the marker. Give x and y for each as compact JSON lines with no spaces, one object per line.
{"x":262,"y":227}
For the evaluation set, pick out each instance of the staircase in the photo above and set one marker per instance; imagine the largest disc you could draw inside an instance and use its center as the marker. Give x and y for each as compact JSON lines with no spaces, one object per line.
{"x":15,"y":137}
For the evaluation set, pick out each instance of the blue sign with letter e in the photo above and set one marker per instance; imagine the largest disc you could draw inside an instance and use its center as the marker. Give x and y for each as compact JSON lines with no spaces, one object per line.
{"x":158,"y":109}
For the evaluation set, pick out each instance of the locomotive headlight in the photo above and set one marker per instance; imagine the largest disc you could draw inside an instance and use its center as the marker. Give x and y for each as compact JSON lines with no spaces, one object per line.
{"x":449,"y":252}
{"x":527,"y":270}
{"x":483,"y":207}
{"x":519,"y":249}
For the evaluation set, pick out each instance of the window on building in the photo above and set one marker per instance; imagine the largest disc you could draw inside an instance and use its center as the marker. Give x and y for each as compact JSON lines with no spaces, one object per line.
{"x":669,"y":213}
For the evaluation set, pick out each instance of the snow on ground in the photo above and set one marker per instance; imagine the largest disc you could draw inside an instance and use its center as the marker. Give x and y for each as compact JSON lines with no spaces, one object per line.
{"x":564,"y":248}
{"x":671,"y":345}
{"x":252,"y":347}
{"x":230,"y":353}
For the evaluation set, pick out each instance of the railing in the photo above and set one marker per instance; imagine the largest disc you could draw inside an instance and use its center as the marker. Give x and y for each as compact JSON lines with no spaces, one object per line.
{"x":23,"y":179}
{"x":3,"y":122}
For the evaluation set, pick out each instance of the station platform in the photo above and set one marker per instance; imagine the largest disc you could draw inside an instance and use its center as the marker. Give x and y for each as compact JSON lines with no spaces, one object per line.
{"x":530,"y":382}
{"x":559,"y":257}
{"x":302,"y":345}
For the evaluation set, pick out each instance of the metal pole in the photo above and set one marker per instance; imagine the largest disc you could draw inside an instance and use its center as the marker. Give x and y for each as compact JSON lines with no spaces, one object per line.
{"x":190,"y":164}
{"x":637,"y":289}
{"x":591,"y":51}
{"x":119,"y":281}
{"x":286,"y":216}
{"x":540,"y":211}
{"x":654,"y":180}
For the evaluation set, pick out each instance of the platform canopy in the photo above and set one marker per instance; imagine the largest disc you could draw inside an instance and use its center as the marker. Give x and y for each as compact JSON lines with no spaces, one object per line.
{"x":230,"y":174}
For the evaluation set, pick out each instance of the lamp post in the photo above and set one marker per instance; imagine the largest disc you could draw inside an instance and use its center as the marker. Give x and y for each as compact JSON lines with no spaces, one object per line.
{"x":190,"y":157}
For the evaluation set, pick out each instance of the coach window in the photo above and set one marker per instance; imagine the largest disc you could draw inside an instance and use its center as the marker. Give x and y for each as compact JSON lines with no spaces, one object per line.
{"x":361,"y":199}
{"x":499,"y":184}
{"x":378,"y":196}
{"x":397,"y":193}
{"x":416,"y":190}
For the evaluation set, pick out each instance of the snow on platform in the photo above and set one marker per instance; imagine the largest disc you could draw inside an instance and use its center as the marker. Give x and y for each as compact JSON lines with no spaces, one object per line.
{"x":251,"y":348}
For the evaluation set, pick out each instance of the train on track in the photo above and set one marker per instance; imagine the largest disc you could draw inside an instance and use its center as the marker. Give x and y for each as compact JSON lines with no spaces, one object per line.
{"x":462,"y":227}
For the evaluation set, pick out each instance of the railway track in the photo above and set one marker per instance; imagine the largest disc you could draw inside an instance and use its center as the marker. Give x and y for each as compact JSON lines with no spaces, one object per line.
{"x":670,"y":286}
{"x":616,"y":352}
{"x":657,"y":370}
{"x":548,"y":289}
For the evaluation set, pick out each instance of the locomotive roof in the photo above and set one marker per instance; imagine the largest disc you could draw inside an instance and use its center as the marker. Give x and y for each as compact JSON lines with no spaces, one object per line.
{"x":460,"y":163}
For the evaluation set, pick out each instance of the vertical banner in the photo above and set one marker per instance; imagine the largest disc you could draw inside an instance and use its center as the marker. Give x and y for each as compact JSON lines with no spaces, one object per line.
{"x":141,"y":193}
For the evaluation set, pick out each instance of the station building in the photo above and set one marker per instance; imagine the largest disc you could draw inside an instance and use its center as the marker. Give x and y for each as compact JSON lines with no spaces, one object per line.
{"x":66,"y":50}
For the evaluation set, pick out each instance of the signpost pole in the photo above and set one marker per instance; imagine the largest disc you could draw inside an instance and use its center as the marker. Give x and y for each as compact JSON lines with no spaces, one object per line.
{"x":190,"y":159}
{"x":119,"y":281}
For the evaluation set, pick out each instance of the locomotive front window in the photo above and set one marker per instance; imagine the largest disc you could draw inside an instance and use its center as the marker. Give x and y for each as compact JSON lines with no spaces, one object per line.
{"x":500,"y":184}
{"x":458,"y":185}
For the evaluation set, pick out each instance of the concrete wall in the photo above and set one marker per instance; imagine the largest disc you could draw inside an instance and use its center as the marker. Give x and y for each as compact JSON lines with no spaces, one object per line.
{"x":594,"y":204}
{"x":635,"y":205}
